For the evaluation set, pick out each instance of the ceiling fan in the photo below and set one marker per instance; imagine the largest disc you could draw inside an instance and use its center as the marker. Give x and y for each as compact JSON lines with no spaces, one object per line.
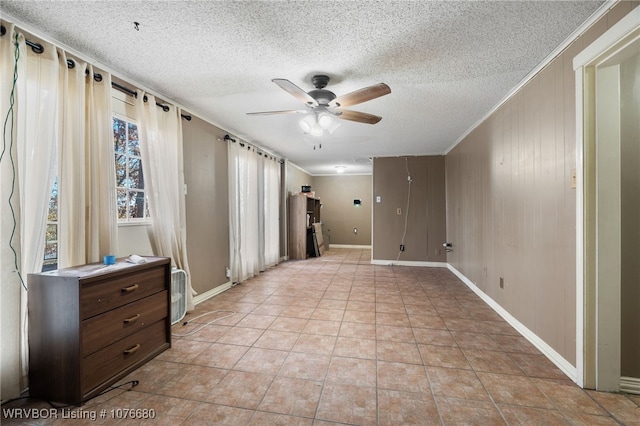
{"x":322,"y":100}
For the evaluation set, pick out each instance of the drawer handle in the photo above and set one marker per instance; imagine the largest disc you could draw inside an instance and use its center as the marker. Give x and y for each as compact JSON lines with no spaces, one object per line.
{"x":130,"y":288}
{"x":132,"y":349}
{"x":132,"y":319}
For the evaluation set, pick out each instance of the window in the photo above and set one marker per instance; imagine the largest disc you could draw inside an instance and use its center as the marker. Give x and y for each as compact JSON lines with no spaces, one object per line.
{"x":51,"y":232}
{"x":131,"y":200}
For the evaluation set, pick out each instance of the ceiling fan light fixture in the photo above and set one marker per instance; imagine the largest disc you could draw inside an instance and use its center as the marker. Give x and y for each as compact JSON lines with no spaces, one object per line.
{"x":324,"y":120}
{"x":328,"y":122}
{"x":310,"y":125}
{"x":316,"y":131}
{"x":304,"y":125}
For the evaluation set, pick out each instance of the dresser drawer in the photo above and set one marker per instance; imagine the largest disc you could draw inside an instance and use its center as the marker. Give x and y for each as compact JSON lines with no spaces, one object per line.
{"x":100,"y":366}
{"x":103,"y":295}
{"x":100,"y":330}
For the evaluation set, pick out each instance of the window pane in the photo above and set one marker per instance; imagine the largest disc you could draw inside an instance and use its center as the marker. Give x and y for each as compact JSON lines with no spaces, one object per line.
{"x":136,"y":204}
{"x":134,"y":144}
{"x":135,"y":173}
{"x":121,"y":169}
{"x":51,"y":233}
{"x":52,"y":216}
{"x":119,"y":135}
{"x":121,"y":202}
{"x":50,"y":251}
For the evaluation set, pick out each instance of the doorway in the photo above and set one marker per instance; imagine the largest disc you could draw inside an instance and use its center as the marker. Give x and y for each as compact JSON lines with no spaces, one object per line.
{"x":608,"y":218}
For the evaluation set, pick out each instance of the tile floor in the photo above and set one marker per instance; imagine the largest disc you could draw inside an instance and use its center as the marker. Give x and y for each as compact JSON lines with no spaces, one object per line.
{"x":335,"y":340}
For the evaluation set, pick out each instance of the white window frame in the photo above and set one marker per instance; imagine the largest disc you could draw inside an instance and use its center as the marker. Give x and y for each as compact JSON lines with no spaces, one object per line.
{"x":130,"y":220}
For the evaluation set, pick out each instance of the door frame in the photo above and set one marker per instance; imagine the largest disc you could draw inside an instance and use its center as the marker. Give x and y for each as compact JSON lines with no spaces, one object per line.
{"x":593,"y":349}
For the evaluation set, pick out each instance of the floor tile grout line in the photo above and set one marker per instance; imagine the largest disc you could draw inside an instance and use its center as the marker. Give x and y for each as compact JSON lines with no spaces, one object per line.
{"x":612,"y":415}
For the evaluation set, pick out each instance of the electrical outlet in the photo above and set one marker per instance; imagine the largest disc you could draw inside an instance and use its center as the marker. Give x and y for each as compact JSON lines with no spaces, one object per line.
{"x":227,"y":272}
{"x":401,"y":247}
{"x":399,"y":211}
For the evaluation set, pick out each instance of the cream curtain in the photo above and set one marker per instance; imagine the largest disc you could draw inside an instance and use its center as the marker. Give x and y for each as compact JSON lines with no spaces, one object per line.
{"x":71,"y":219}
{"x":27,"y":169}
{"x":243,"y":212}
{"x":271,"y":211}
{"x":101,"y":236}
{"x":254,"y":185}
{"x":87,"y":217}
{"x":160,"y":134}
{"x":50,"y":113}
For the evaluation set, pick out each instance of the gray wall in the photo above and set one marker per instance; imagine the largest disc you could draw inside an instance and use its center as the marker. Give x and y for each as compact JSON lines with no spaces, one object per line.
{"x":426,"y":220}
{"x":207,"y":203}
{"x":338,"y":213}
{"x":510,"y":206}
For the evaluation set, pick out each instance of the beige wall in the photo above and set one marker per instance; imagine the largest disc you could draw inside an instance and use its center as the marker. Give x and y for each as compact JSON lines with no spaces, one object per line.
{"x":296,"y":177}
{"x":207,"y":203}
{"x":426,"y":220}
{"x":630,"y":220}
{"x":510,"y":206}
{"x":339,"y":215}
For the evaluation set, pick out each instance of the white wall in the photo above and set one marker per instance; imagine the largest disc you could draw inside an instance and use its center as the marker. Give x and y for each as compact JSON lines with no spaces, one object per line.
{"x":134,"y":239}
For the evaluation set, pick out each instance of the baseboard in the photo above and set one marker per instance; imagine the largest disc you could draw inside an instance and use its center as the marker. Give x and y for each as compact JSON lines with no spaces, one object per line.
{"x":211,"y":293}
{"x":536,"y":341}
{"x":630,"y":385}
{"x":349,"y":246}
{"x":408,"y":263}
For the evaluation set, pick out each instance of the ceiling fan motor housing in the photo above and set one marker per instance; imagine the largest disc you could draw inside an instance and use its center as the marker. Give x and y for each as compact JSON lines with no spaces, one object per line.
{"x":320,"y":81}
{"x":320,"y":94}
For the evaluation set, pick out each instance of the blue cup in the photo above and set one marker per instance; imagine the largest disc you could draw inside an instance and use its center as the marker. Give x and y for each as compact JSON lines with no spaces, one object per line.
{"x":110,"y":260}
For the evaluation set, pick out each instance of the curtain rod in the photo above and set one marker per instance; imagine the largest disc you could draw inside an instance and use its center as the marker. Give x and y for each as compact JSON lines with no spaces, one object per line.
{"x":38,"y":48}
{"x":257,"y":150}
{"x":135,"y":95}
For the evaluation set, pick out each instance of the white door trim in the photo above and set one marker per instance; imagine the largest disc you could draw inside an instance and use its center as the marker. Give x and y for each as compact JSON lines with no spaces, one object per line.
{"x":618,"y":36}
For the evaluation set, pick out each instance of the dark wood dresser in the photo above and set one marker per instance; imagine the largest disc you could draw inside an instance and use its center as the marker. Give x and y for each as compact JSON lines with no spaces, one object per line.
{"x":91,"y":325}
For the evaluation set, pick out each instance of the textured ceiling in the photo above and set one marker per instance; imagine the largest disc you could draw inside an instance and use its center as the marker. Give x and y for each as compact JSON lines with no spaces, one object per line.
{"x":448,"y":63}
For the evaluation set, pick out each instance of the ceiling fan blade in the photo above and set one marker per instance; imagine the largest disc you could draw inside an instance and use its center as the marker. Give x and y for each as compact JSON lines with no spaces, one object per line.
{"x":297,"y":92}
{"x":362,"y":95}
{"x":360,"y":117}
{"x":287,"y":111}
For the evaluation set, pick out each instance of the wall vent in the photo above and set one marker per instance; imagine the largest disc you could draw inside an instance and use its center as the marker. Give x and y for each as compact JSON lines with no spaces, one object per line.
{"x":362,"y":160}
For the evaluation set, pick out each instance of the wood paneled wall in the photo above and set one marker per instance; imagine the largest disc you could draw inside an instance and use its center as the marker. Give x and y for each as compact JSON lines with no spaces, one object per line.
{"x":426,"y":220}
{"x":510,"y":206}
